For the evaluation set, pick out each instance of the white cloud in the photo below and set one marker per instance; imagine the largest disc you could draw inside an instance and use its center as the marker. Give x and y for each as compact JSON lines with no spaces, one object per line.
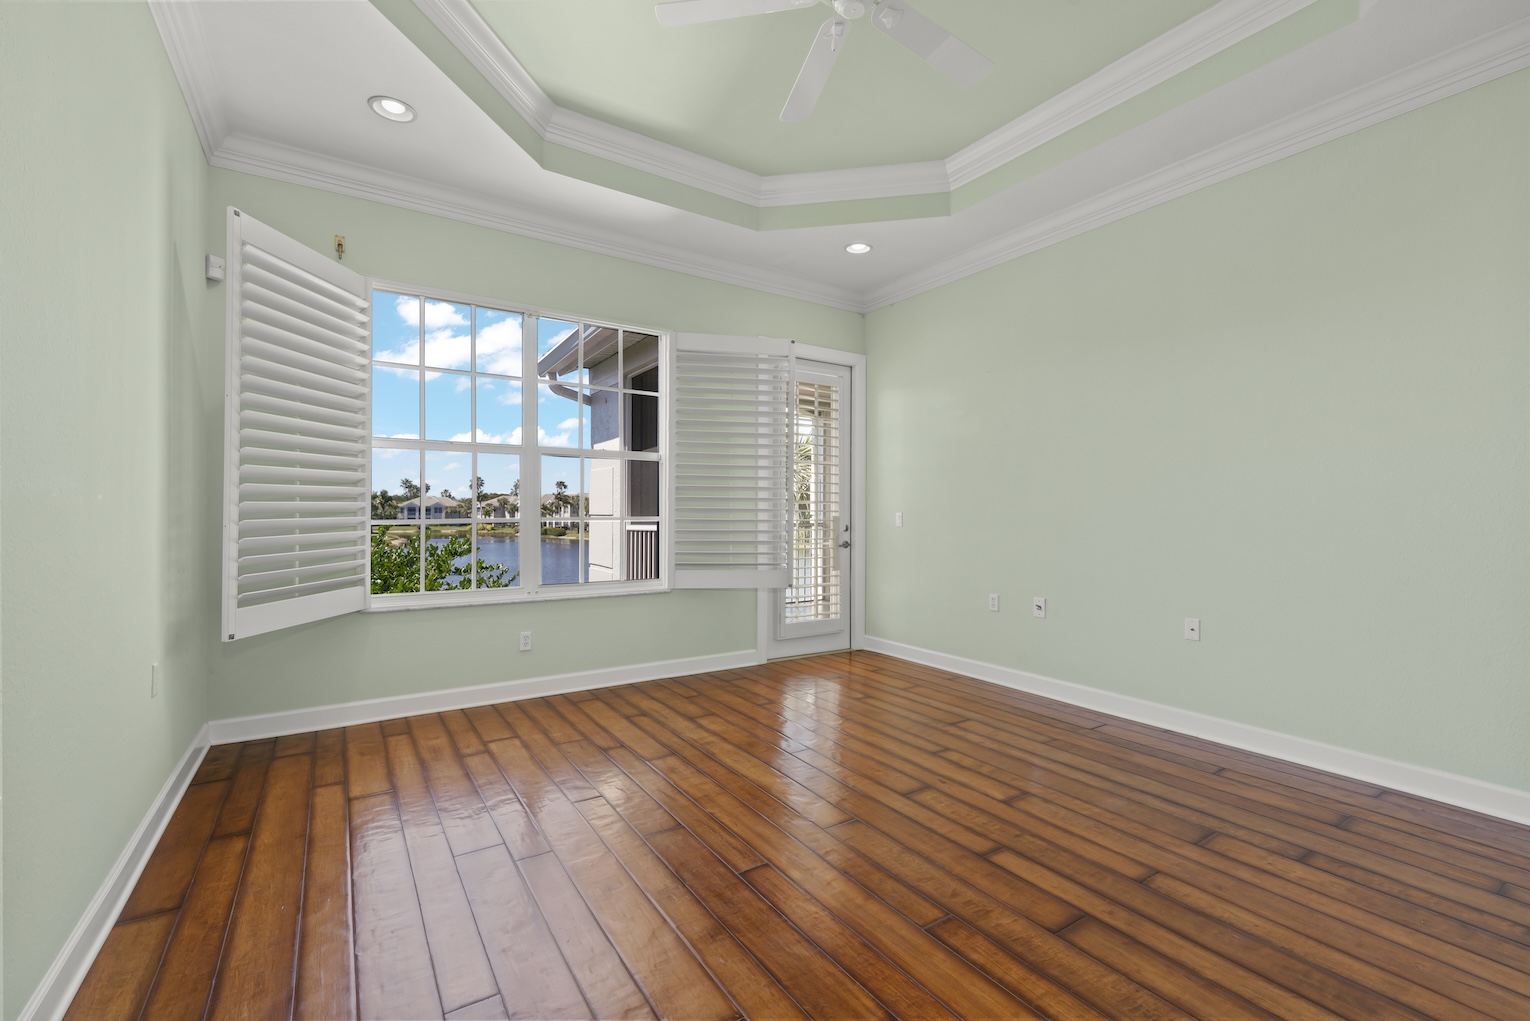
{"x":499,"y":347}
{"x":437,"y":313}
{"x":569,"y":425}
{"x":448,"y":349}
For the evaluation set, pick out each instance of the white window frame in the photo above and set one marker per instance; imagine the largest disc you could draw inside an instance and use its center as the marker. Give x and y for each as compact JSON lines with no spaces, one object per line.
{"x":529,"y":453}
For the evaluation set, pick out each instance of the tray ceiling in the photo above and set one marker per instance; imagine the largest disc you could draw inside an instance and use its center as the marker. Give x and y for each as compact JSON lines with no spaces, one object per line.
{"x":716,"y":89}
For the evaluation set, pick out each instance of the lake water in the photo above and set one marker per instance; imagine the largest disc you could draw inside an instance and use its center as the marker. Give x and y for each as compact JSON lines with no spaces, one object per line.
{"x":560,"y":557}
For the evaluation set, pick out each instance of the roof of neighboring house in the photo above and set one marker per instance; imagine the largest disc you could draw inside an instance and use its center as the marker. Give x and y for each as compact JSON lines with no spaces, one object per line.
{"x":599,"y":344}
{"x":430,"y":501}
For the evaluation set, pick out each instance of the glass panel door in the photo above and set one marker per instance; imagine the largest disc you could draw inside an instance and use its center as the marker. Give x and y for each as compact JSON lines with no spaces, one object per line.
{"x":812,"y":613}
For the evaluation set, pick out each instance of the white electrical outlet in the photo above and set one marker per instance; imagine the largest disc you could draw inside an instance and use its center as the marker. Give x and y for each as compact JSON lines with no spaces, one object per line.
{"x":1038,"y":606}
{"x":525,"y":641}
{"x":1192,"y":629}
{"x":897,"y":519}
{"x":153,"y":680}
{"x":993,"y":601}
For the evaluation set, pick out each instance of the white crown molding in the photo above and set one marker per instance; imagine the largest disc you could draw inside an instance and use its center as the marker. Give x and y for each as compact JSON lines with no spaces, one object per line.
{"x":1201,"y":37}
{"x":297,"y":166}
{"x":1474,"y":63}
{"x":595,"y":137}
{"x":468,"y":32}
{"x":1177,"y":50}
{"x":182,"y":35}
{"x":50,"y":999}
{"x":349,"y":714}
{"x":1451,"y":788}
{"x":893,"y":181}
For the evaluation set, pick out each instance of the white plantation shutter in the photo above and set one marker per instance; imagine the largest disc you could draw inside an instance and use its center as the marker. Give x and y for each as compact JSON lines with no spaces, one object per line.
{"x":731,"y":459}
{"x":296,"y":502}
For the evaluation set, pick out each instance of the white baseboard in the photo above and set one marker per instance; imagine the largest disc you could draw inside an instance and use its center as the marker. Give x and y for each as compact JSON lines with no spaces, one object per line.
{"x":348,"y":714}
{"x":1464,"y":792}
{"x":53,"y":994}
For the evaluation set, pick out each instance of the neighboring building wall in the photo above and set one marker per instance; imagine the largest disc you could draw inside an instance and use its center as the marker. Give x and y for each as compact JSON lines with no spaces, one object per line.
{"x":103,"y":406}
{"x":1295,"y":404}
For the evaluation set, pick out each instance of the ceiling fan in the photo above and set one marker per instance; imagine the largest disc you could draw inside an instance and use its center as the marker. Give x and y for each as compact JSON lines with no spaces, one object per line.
{"x":894,"y":18}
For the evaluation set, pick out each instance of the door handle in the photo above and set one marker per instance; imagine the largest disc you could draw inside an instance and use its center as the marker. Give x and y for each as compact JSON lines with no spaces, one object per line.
{"x":845,"y":544}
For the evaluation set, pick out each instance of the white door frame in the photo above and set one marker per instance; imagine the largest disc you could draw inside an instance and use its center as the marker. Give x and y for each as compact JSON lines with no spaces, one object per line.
{"x":765,"y":599}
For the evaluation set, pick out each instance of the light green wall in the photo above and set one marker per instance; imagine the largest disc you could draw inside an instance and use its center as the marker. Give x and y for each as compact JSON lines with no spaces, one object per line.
{"x":1295,"y":404}
{"x":374,"y":655}
{"x":100,"y":285}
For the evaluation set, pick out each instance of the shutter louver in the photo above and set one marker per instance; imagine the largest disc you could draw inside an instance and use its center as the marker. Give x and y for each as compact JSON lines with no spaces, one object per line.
{"x":296,"y":544}
{"x":731,"y":456}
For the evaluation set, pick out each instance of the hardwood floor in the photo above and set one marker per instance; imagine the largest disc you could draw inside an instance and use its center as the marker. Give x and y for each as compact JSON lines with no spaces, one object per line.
{"x":846,"y":836}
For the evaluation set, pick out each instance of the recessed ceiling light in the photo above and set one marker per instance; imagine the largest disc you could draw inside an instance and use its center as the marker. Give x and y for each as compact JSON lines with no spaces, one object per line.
{"x":858,"y":248}
{"x":392,"y":109}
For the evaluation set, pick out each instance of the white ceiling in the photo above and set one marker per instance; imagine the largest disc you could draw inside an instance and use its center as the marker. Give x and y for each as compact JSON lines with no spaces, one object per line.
{"x":280,"y":89}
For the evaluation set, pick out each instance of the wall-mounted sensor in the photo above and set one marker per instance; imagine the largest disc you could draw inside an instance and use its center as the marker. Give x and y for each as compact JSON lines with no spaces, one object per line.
{"x":213,"y":268}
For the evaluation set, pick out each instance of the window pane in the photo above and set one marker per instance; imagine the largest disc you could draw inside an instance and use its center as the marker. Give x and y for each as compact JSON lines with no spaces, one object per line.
{"x":499,"y":556}
{"x":448,"y":407}
{"x":643,"y":488}
{"x":395,"y":328}
{"x":622,"y":550}
{"x":448,"y":485}
{"x":602,"y":420}
{"x":602,"y":364}
{"x":499,"y":490}
{"x":603,"y":482}
{"x":499,"y":342}
{"x":562,"y":495}
{"x":642,"y":432}
{"x":640,"y":361}
{"x":394,"y":480}
{"x":499,"y":411}
{"x":395,"y":559}
{"x":558,"y":416}
{"x":396,"y":403}
{"x":448,"y":557}
{"x":557,"y":349}
{"x":448,"y":335}
{"x":565,"y":553}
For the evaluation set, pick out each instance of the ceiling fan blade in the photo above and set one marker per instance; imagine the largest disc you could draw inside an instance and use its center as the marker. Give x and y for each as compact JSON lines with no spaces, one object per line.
{"x":694,"y":12}
{"x":948,"y":54}
{"x":815,"y":70}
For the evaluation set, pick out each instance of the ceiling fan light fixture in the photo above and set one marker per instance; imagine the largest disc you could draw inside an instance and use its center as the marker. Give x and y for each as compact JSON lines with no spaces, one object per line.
{"x":857,"y":248}
{"x":391,"y":109}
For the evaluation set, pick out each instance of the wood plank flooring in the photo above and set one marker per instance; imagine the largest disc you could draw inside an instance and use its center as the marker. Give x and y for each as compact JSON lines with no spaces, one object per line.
{"x":843,"y":836}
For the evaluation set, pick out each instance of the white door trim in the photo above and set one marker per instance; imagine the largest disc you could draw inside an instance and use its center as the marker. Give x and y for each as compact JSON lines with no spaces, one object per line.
{"x":765,"y":598}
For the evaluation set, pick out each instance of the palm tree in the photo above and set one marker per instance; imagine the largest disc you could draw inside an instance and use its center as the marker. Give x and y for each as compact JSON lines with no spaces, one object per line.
{"x":802,"y":484}
{"x":384,"y":504}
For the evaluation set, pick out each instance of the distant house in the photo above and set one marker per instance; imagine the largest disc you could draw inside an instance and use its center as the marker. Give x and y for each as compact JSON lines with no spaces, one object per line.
{"x":498,"y":507}
{"x":435,"y":508}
